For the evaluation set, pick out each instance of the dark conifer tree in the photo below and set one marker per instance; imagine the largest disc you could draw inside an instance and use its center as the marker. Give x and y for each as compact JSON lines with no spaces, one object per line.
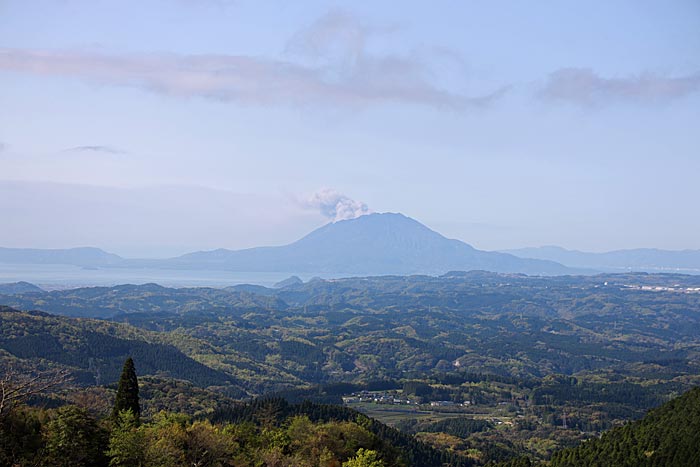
{"x":128,"y":391}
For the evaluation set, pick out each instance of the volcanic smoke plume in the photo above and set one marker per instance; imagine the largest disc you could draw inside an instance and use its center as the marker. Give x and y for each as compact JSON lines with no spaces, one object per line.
{"x":336,"y":206}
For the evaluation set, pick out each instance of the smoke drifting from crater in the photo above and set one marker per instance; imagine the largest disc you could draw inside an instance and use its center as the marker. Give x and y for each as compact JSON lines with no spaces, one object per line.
{"x":336,"y":206}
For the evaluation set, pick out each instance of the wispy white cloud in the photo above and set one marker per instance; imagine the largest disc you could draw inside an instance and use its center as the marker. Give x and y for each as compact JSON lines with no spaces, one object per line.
{"x":246,"y":79}
{"x":584,"y":86}
{"x":325,"y":64}
{"x":98,"y":148}
{"x":335,"y":205}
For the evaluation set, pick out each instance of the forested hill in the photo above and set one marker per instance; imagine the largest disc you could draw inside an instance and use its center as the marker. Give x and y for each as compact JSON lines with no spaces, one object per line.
{"x":668,"y":436}
{"x":93,"y":350}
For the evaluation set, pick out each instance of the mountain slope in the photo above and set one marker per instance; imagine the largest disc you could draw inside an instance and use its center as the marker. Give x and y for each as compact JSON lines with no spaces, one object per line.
{"x":385,"y":243}
{"x":641,"y":259}
{"x":19,"y":288}
{"x":94,"y":351}
{"x":666,"y":436}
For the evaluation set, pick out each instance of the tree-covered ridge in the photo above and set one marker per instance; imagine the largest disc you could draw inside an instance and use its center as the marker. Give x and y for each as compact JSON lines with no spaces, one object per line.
{"x":108,"y":302}
{"x":536,"y":364}
{"x":667,"y":436}
{"x":96,"y":349}
{"x":384,"y":327}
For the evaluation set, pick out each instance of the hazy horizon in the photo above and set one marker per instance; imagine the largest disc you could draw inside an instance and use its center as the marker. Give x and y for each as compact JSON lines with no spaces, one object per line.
{"x":149,"y":254}
{"x":152,"y":129}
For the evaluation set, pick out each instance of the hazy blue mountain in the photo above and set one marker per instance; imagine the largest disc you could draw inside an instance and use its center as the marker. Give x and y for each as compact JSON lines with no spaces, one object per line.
{"x":251,"y":288}
{"x":288,"y":282}
{"x":385,"y":243}
{"x":19,"y":288}
{"x":641,"y":259}
{"x":89,"y":257}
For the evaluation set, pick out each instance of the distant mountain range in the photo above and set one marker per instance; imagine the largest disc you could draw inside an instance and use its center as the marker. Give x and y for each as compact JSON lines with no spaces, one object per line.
{"x":641,"y":259}
{"x":378,"y":244}
{"x":87,"y":257}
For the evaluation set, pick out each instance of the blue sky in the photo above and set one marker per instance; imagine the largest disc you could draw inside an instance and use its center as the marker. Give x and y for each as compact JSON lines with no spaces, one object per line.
{"x":154,"y":128}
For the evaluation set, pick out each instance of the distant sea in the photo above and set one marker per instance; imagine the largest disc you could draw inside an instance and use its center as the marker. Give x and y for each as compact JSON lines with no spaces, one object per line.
{"x":58,"y":276}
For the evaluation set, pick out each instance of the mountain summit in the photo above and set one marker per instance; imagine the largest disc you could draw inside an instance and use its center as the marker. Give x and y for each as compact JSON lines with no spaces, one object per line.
{"x":380,"y":243}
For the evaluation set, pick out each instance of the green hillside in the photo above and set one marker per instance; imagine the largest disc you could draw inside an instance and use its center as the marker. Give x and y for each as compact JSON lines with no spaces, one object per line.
{"x":94,"y":350}
{"x":668,"y":436}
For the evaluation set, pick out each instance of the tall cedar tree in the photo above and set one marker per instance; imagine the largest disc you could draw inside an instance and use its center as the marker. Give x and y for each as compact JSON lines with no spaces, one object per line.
{"x":127,"y":392}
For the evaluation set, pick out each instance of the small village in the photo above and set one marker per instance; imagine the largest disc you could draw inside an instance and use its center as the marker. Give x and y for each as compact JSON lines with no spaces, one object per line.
{"x":396,"y":398}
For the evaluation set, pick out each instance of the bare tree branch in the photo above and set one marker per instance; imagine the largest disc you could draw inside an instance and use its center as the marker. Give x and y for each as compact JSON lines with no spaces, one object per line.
{"x":16,"y":388}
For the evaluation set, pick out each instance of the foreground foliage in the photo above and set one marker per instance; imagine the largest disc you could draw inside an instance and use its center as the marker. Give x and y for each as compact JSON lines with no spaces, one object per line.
{"x":271,"y":432}
{"x":275,"y":434}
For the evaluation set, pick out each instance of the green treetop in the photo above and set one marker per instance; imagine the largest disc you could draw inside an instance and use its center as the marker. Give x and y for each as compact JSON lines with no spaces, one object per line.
{"x":364,"y":458}
{"x":127,"y":391}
